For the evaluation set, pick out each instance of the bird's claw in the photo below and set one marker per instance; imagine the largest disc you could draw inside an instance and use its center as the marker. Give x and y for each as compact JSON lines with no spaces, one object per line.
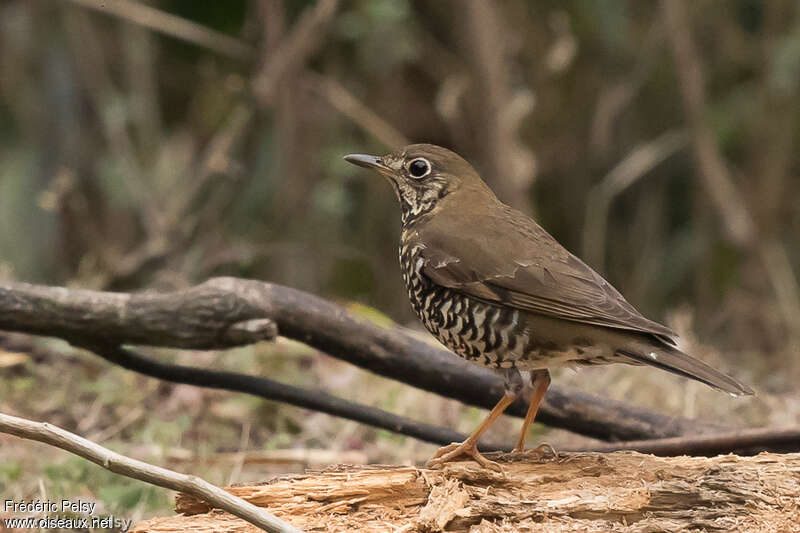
{"x":542,"y":450}
{"x":452,"y":451}
{"x":444,"y":450}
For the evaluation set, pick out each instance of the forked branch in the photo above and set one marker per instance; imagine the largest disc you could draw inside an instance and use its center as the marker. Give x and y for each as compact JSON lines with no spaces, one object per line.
{"x":225,"y":312}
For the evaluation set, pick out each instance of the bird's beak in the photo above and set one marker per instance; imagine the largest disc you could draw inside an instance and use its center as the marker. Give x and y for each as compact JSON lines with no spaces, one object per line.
{"x":368,"y":161}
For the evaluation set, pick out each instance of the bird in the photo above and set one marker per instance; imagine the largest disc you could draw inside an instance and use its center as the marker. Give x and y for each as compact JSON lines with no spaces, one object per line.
{"x":498,"y":290}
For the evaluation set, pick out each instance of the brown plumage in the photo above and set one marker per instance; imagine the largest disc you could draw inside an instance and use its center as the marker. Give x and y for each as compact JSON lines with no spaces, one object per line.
{"x":498,"y":290}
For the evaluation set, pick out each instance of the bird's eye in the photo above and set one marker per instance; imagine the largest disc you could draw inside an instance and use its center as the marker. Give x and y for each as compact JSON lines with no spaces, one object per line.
{"x":419,"y":167}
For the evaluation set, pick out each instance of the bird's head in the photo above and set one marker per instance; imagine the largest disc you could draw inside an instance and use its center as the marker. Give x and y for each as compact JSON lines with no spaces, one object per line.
{"x":424,"y":174}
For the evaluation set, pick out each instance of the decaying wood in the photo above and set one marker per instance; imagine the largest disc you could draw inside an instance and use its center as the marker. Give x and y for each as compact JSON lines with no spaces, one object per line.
{"x":586,"y":492}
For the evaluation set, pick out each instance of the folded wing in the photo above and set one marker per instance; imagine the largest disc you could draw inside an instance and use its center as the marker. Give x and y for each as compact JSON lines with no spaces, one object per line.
{"x":517,"y":263}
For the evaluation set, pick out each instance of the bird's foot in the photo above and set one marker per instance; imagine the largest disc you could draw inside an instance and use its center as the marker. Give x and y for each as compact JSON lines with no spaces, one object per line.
{"x":542,"y":450}
{"x":452,"y":451}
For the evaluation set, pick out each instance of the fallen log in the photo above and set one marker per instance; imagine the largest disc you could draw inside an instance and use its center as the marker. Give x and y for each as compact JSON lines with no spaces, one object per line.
{"x":586,"y":492}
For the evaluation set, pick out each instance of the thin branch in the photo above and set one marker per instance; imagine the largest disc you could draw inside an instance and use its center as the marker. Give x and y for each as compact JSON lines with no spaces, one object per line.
{"x":95,"y":71}
{"x":738,"y":220}
{"x":304,"y":38}
{"x":141,"y":81}
{"x":348,"y":105}
{"x":502,"y":108}
{"x":267,"y":389}
{"x":785,"y":284}
{"x":215,"y":160}
{"x":715,"y":177}
{"x":177,"y":27}
{"x":740,"y":442}
{"x":275,"y":391}
{"x":225,"y":312}
{"x":641,"y":160}
{"x":614,"y":98}
{"x":182,"y":214}
{"x":743,"y":442}
{"x":155,"y":475}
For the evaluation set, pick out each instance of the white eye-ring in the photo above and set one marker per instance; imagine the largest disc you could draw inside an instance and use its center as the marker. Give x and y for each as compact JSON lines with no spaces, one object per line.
{"x":419,"y":167}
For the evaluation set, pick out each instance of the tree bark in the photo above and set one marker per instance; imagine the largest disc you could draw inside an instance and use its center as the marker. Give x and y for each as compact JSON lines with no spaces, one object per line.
{"x":586,"y":492}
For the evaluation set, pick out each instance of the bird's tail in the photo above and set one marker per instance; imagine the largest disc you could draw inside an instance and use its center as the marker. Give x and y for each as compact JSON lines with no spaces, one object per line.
{"x":675,"y":361}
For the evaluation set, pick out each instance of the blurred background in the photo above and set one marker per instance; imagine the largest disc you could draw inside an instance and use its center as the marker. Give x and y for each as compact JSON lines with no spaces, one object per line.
{"x":155,"y":144}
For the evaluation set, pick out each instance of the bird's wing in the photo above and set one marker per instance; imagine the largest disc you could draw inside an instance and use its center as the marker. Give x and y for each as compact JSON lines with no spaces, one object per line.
{"x":514,"y":261}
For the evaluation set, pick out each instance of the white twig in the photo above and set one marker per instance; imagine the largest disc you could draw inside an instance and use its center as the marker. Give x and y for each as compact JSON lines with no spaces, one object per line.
{"x":155,"y":475}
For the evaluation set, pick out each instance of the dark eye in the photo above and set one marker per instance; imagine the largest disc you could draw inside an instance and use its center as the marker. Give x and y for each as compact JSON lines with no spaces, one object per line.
{"x":419,"y":167}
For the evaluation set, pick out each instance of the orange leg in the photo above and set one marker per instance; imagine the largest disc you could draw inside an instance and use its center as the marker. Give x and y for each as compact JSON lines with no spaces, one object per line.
{"x":540,"y":382}
{"x":470,"y":446}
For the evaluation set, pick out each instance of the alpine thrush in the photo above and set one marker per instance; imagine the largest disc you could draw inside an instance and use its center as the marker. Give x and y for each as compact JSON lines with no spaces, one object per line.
{"x":499,"y":291}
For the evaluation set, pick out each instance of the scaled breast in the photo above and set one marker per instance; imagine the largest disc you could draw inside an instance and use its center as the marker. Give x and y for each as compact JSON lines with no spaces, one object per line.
{"x":478,"y":331}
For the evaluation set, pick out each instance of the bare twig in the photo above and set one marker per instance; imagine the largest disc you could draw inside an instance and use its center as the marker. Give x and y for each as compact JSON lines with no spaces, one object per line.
{"x":301,"y":43}
{"x":737,"y":217}
{"x":159,"y":216}
{"x":263,"y":388}
{"x":155,"y":475}
{"x":511,"y":166}
{"x":614,"y":98}
{"x":141,"y":80}
{"x":715,"y":177}
{"x":347,"y":104}
{"x":641,"y":160}
{"x":103,"y":93}
{"x":784,"y":283}
{"x":130,"y":417}
{"x":752,"y":441}
{"x":183,"y":210}
{"x":214,"y":161}
{"x":304,"y":38}
{"x":225,"y":312}
{"x":742,"y":442}
{"x":275,"y":391}
{"x":180,"y":28}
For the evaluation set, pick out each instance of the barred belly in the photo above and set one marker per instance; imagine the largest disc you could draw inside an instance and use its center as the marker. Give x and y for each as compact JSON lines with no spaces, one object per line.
{"x":478,"y":331}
